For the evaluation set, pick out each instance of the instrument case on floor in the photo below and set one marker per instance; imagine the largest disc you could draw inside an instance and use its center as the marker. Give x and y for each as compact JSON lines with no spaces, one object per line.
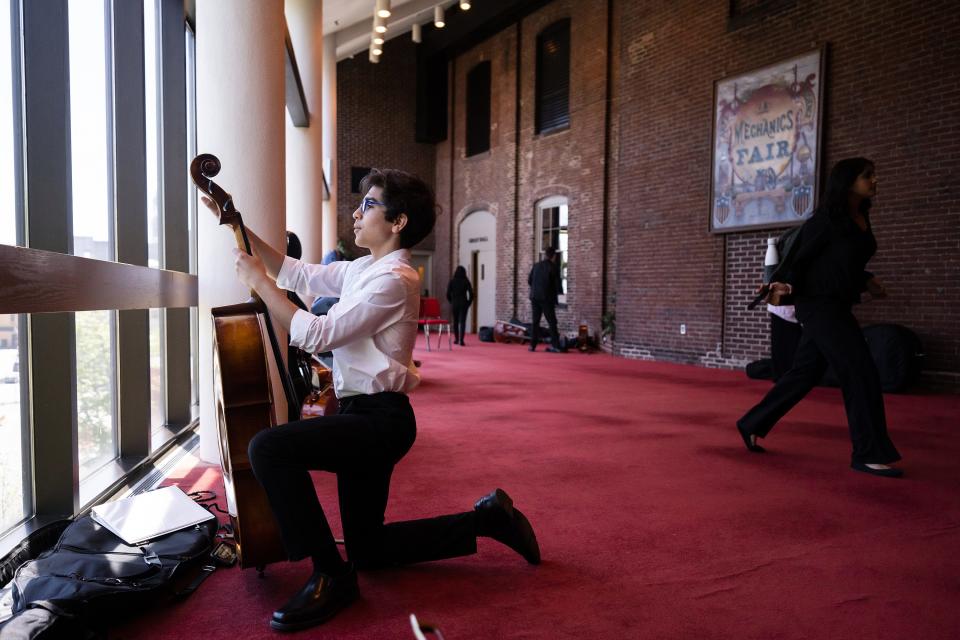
{"x":91,"y":578}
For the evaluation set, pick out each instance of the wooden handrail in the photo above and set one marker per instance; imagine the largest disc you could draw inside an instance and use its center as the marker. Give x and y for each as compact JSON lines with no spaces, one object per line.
{"x":36,"y":281}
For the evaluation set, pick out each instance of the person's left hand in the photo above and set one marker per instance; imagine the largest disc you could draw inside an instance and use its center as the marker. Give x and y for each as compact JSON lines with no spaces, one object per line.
{"x":250,"y":269}
{"x":876,"y":289}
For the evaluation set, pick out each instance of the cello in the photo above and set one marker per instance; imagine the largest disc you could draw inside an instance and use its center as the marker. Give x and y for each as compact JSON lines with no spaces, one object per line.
{"x":243,"y":393}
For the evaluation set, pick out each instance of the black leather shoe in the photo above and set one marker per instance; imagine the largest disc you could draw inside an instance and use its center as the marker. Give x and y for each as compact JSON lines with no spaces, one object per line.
{"x":498,"y":519}
{"x":890,"y":472}
{"x":321,"y":598}
{"x":748,"y":439}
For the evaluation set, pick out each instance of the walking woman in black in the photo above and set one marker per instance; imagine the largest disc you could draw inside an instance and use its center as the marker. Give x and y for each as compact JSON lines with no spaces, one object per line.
{"x":824,"y":278}
{"x":460,"y":297}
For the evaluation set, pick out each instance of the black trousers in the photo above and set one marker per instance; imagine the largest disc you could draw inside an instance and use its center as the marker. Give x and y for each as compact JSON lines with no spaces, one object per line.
{"x":548,"y":310}
{"x":459,"y":321}
{"x":361,"y":445}
{"x":831,"y":335}
{"x":784,"y":339}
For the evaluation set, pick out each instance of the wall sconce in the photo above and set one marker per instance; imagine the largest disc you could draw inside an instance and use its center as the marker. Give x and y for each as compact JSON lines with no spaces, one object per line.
{"x":383,"y":8}
{"x":438,"y":17}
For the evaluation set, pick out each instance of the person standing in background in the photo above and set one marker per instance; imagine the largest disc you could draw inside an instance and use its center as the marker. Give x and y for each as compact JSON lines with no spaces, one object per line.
{"x":545,"y":288}
{"x":460,"y":297}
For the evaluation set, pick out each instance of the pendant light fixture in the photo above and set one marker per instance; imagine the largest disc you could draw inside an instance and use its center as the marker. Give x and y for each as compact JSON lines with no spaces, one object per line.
{"x":416,"y":33}
{"x":464,"y":5}
{"x":438,"y":17}
{"x":383,"y":8}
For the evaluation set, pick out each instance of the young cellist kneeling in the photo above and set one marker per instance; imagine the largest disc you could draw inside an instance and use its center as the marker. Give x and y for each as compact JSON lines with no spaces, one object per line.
{"x":371,"y":332}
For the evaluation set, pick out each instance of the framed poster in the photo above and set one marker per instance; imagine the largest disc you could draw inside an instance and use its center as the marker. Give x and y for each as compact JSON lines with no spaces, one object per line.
{"x":766,"y":145}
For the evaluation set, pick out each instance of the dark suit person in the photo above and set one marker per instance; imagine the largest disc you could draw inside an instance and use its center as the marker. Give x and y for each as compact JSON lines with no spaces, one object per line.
{"x":824,"y":280}
{"x":545,"y":287}
{"x":460,"y":297}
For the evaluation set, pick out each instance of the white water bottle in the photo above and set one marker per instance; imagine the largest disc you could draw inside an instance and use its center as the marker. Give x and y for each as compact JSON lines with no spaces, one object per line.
{"x":770,"y":261}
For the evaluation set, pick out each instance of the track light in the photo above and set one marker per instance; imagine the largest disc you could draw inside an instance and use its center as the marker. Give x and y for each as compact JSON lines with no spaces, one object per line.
{"x":438,"y":17}
{"x":416,"y":33}
{"x":464,"y":5}
{"x":383,"y":8}
{"x":379,"y":25}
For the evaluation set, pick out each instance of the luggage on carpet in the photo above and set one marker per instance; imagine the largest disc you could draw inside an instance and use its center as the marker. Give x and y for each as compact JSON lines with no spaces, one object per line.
{"x":91,"y":576}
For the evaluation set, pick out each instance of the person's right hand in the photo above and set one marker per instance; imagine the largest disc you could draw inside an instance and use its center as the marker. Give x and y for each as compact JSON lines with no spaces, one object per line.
{"x":777,"y":291}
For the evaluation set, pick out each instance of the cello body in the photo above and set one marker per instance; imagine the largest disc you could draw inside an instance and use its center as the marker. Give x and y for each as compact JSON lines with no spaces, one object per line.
{"x":243,"y":395}
{"x":244,"y":404}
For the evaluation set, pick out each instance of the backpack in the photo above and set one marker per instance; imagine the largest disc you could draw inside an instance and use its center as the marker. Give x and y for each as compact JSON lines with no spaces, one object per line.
{"x":786,"y":250}
{"x":76,"y":588}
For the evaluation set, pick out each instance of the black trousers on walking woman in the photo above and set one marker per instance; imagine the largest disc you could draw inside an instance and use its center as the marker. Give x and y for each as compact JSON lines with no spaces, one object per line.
{"x":361,"y":445}
{"x":831,"y":335}
{"x":459,"y":320}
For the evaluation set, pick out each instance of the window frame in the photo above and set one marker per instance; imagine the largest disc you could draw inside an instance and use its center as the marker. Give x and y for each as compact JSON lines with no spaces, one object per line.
{"x":554,"y":202}
{"x":61,"y":283}
{"x":560,"y":27}
{"x":479,"y":108}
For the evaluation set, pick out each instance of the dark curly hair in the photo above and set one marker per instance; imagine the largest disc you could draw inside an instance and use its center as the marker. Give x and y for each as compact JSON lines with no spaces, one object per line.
{"x":405,"y":193}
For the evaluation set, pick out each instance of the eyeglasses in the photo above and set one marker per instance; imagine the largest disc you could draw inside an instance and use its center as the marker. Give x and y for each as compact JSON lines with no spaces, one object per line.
{"x":370,"y":202}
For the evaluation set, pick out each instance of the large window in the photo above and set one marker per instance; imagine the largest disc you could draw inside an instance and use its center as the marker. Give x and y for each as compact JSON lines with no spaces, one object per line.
{"x":14,"y":481}
{"x":151,"y":79}
{"x":92,"y":210}
{"x":192,"y":202}
{"x":14,"y":494}
{"x":553,"y":77}
{"x":552,"y":223}
{"x":478,"y":109}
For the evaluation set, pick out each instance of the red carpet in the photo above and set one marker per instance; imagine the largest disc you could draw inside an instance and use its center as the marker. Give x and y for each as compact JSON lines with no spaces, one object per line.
{"x":653,"y":520}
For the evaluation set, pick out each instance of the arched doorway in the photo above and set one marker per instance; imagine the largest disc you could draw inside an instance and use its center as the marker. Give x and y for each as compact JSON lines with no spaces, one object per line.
{"x":478,"y":255}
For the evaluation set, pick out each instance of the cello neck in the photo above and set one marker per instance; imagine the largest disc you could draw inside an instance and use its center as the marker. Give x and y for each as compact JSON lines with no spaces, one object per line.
{"x":202,"y":169}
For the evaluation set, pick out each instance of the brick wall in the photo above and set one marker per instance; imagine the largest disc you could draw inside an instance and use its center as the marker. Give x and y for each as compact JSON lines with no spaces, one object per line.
{"x":639,"y":231}
{"x":892,"y":90}
{"x":568,"y":163}
{"x":376,"y":107}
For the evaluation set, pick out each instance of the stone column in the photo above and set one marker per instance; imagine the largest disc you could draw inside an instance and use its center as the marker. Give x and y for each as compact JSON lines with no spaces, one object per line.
{"x":240,"y":119}
{"x":330,"y":142}
{"x":305,"y":144}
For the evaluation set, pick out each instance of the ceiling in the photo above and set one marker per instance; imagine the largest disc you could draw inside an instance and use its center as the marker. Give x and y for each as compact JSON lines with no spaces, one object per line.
{"x":350,"y":22}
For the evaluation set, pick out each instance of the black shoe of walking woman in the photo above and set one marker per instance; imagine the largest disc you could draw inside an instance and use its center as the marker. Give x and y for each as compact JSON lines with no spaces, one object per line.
{"x":750,"y":441}
{"x":883,"y":471}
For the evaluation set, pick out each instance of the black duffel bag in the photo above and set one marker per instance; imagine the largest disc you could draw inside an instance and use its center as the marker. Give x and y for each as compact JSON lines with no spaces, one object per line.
{"x":91,"y":576}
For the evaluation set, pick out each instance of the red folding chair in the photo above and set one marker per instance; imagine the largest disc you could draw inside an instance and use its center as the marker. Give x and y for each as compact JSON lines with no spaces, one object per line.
{"x":430,"y":317}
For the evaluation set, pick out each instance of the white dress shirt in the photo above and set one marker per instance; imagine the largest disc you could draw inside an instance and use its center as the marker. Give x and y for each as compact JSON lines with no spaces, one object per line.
{"x":371,"y":330}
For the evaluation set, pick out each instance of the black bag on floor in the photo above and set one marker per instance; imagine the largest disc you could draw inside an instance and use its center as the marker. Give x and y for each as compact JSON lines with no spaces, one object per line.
{"x":898,"y":354}
{"x":91,"y":577}
{"x":485,"y":334}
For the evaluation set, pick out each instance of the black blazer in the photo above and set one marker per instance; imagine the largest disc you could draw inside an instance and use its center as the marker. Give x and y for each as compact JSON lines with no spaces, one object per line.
{"x":544,"y":281}
{"x":828,"y":261}
{"x":459,"y":292}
